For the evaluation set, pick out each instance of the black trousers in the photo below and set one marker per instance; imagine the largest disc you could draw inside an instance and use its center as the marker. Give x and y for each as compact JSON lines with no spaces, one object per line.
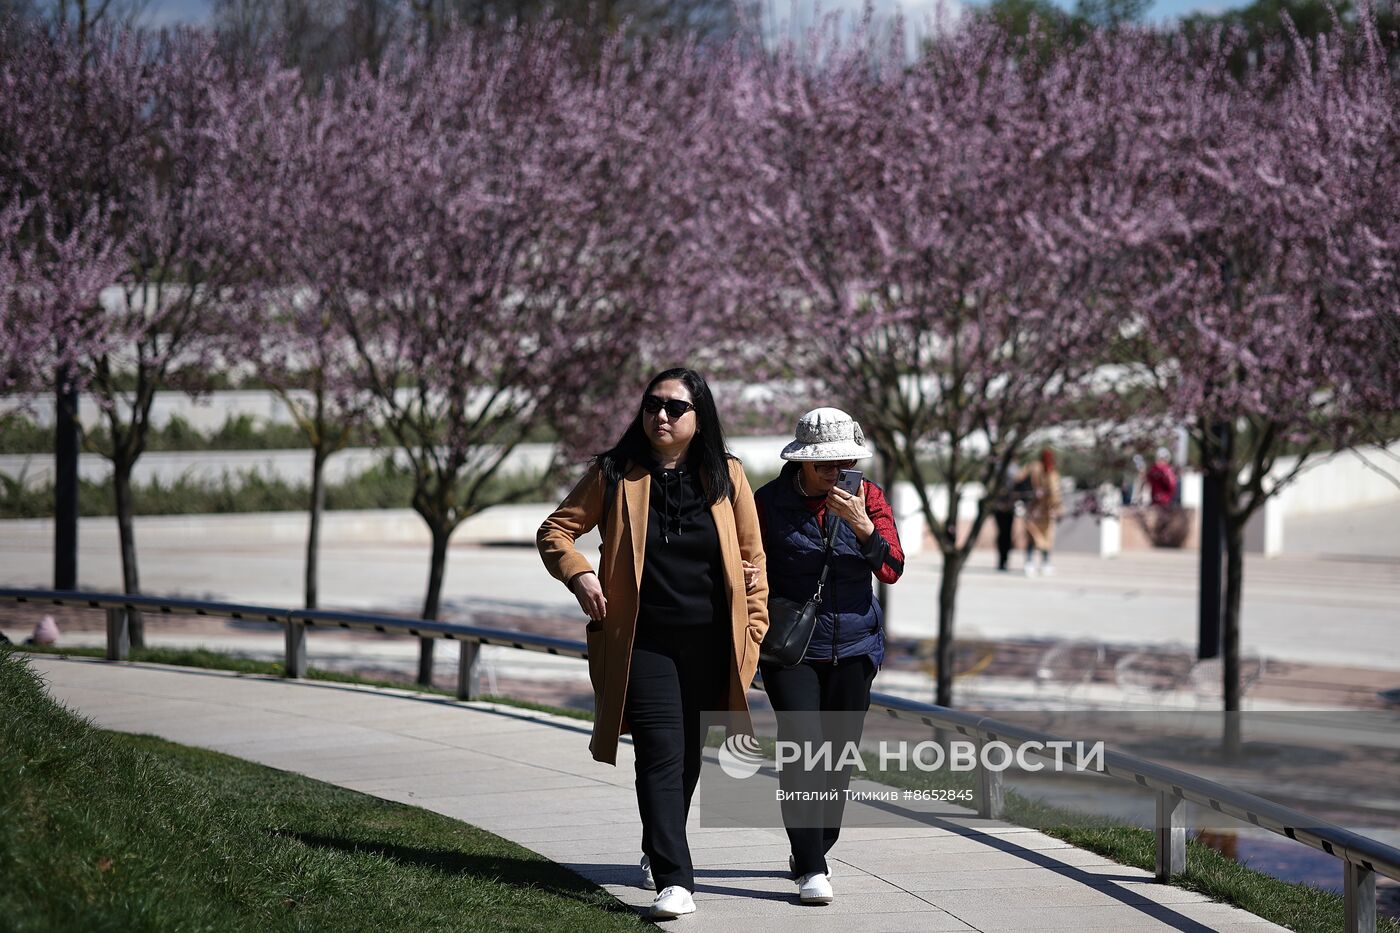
{"x":1004,"y":544}
{"x":677,"y":673}
{"x":799,"y":695}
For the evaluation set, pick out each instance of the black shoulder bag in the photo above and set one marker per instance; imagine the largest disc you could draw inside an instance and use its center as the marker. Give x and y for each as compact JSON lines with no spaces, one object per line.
{"x":790,"y":623}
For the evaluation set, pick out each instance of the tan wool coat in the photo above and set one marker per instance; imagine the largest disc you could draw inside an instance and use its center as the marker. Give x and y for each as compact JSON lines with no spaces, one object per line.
{"x":1046,"y":508}
{"x":623,"y":551}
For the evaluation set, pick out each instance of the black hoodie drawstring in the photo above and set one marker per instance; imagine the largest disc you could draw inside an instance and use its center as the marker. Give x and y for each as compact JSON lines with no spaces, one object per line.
{"x":666,"y":483}
{"x":665,"y":509}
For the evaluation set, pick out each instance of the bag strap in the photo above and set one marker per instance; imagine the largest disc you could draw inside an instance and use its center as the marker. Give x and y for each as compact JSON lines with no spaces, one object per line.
{"x":830,"y":536}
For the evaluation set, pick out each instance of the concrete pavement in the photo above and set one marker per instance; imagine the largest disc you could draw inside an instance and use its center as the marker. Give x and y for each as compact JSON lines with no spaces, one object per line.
{"x":528,"y":777}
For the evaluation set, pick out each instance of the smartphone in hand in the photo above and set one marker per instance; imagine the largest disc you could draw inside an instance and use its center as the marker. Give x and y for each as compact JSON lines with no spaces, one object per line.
{"x":850,"y":480}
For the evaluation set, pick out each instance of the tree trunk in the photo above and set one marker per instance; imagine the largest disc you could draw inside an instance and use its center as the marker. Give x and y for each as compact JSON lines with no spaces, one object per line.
{"x":433,"y":600}
{"x":947,"y":600}
{"x":121,"y":483}
{"x":313,"y":534}
{"x":65,"y":509}
{"x":1210,"y":610}
{"x":1234,"y":586}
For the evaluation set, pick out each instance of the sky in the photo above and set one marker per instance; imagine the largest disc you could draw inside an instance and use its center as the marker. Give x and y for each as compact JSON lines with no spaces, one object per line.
{"x":163,"y":12}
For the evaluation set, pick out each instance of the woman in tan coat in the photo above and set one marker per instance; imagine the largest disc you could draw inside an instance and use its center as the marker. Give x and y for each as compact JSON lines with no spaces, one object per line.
{"x":678,"y":607}
{"x":1042,"y":512}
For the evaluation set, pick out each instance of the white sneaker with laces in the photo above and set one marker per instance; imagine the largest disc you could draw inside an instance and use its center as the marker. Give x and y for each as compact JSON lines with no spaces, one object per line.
{"x":814,"y":889}
{"x":672,"y":902}
{"x":792,"y":868}
{"x":648,"y":882}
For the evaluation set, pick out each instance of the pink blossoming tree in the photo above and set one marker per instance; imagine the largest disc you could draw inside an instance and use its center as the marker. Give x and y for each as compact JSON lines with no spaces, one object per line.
{"x":477,"y":235}
{"x":898,"y":226}
{"x":1265,"y":283}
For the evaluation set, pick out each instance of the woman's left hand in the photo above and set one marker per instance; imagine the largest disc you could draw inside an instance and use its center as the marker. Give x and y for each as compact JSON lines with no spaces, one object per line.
{"x":750,"y":575}
{"x":851,"y":509}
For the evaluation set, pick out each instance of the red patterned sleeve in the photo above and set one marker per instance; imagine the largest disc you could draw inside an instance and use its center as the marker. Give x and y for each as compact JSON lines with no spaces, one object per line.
{"x":883,"y":549}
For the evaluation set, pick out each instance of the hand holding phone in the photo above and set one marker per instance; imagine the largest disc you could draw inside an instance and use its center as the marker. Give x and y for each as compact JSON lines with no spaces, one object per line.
{"x":850,"y":504}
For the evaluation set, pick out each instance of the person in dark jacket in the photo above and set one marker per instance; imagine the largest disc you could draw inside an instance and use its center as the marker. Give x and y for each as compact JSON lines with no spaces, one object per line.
{"x":796,"y":511}
{"x":1004,"y":511}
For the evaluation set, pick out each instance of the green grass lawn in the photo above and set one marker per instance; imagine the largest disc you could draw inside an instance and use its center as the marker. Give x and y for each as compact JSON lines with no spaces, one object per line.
{"x":103,"y":831}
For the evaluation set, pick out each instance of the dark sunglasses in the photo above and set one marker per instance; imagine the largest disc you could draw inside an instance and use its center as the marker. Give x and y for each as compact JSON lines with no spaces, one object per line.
{"x":824,"y":466}
{"x":675,"y":407}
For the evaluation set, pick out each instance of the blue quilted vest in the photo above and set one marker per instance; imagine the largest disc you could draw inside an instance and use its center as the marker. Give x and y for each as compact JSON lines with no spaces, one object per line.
{"x":851,"y":622}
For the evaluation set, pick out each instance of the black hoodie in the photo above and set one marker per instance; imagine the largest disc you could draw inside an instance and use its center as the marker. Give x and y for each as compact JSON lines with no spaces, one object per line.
{"x":682,"y":576}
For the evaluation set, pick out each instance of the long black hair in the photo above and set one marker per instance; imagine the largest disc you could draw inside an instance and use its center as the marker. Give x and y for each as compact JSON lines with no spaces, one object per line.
{"x":707,"y":455}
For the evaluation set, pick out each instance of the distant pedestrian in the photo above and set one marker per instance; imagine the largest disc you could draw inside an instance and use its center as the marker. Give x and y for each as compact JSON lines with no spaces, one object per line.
{"x":1163,"y":518}
{"x":1162,"y":480}
{"x":678,"y":606}
{"x":1004,"y":513}
{"x":1044,"y":509}
{"x":1133,"y":480}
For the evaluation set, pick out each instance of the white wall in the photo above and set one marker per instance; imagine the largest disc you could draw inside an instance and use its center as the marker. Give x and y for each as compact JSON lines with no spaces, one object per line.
{"x":208,"y":413}
{"x":1340,"y":482}
{"x":378,"y":526}
{"x":294,"y":466}
{"x":1346,"y":480}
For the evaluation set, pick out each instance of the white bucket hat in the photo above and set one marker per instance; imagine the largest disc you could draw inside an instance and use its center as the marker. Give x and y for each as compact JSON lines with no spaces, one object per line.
{"x":827,"y":434}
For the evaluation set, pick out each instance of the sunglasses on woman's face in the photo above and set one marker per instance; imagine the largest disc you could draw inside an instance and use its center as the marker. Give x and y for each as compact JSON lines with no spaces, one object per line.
{"x":826,"y":466}
{"x":675,"y":407}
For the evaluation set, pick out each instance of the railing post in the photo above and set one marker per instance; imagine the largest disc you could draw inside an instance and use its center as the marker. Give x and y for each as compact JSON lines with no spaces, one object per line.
{"x":1359,"y":894}
{"x":118,"y":634}
{"x":1170,"y":830}
{"x":468,"y":674}
{"x":294,"y":665}
{"x":991,"y":793}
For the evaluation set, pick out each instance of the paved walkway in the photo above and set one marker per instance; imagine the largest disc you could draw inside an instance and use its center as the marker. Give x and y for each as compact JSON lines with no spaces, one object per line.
{"x":528,"y":777}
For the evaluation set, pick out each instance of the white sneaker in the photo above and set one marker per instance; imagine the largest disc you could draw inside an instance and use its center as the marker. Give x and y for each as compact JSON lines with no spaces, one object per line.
{"x":1030,"y":568}
{"x":814,"y":889}
{"x":674,"y":901}
{"x":1047,"y":570}
{"x":792,"y":868}
{"x":648,"y":882}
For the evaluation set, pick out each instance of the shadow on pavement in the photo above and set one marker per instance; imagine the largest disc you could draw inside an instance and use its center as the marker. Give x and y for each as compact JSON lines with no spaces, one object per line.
{"x":536,"y":874}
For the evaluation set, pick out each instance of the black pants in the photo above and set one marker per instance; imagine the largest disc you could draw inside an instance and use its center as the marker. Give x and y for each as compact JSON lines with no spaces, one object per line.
{"x":677,"y":673}
{"x":798,"y":695}
{"x":1004,"y":544}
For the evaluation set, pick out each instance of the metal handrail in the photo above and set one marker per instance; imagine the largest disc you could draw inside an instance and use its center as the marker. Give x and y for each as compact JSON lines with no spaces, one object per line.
{"x":1371,"y":854}
{"x":1362,"y":857}
{"x":295,"y":623}
{"x":482,"y":635}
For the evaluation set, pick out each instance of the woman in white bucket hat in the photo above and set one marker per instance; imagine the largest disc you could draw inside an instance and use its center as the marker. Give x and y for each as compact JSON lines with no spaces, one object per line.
{"x":796,"y":511}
